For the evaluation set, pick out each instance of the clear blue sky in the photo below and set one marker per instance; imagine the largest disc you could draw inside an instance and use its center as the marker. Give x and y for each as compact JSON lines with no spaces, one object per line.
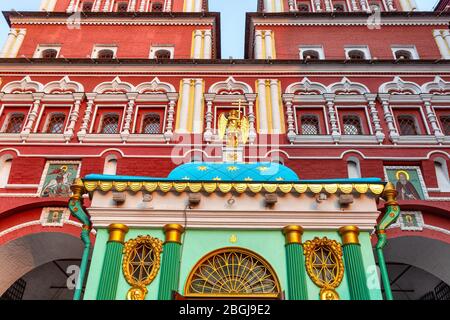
{"x":232,"y":16}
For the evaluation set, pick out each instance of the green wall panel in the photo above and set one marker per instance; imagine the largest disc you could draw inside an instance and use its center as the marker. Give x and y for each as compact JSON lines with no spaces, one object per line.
{"x":96,"y":265}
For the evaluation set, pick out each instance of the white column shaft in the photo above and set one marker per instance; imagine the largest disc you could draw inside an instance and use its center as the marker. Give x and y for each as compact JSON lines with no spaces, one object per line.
{"x":51,"y":5}
{"x":278,"y":6}
{"x":207,"y":51}
{"x":9,"y":43}
{"x":189,"y":5}
{"x":197,"y":116}
{"x":446,"y":36}
{"x":268,"y":6}
{"x":198,"y":36}
{"x":18,"y":43}
{"x":275,"y":102}
{"x":258,"y":45}
{"x":268,"y":43}
{"x":184,"y":107}
{"x":198,"y":6}
{"x":262,"y":108}
{"x":442,"y":44}
{"x":43,"y":6}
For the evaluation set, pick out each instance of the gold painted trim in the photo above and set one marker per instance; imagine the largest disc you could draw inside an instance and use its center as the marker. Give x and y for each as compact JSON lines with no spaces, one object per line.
{"x":349,"y":234}
{"x":173,"y":232}
{"x":293,"y":234}
{"x":250,"y":253}
{"x":226,"y":187}
{"x":117,"y":232}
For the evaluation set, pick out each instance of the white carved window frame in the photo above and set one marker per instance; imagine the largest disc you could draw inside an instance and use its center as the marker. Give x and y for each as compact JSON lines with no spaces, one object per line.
{"x":318,"y":48}
{"x":301,"y":110}
{"x":410,"y":48}
{"x":367,"y":121}
{"x":9,"y":108}
{"x":46,"y":211}
{"x":138,"y":127}
{"x":364,"y":48}
{"x":42,"y":47}
{"x":424,"y":118}
{"x":99,"y":47}
{"x":47,"y":119}
{"x":120,"y":109}
{"x":169,"y":47}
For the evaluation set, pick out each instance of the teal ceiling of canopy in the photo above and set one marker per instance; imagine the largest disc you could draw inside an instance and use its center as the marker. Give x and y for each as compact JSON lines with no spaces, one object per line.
{"x":217,"y":171}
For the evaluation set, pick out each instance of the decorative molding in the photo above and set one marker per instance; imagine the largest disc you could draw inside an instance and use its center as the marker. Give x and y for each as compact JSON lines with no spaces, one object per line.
{"x":437,"y":87}
{"x":155,"y":87}
{"x":306,"y":87}
{"x":26,"y":85}
{"x":347,"y":87}
{"x":116,"y":86}
{"x":230,"y":87}
{"x":63,"y":86}
{"x":400,"y":87}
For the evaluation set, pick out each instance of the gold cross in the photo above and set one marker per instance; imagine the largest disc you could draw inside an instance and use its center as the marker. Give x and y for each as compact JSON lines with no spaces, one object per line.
{"x":239,"y":103}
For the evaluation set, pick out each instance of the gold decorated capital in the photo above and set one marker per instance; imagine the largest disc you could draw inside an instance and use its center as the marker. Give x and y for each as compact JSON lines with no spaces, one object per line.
{"x":349,"y":234}
{"x":173,"y":232}
{"x":117,"y":232}
{"x":293,"y":234}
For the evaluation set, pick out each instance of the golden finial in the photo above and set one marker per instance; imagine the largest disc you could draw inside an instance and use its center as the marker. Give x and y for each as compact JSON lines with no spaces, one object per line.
{"x":390,"y":194}
{"x":77,"y":188}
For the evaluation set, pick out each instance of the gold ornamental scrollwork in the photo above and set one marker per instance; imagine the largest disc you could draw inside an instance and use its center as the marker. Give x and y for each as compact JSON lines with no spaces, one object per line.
{"x":141,"y":262}
{"x":324,"y":265}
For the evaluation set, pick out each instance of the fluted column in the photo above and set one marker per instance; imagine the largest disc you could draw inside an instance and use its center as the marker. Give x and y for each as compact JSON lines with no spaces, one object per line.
{"x":354,"y":265}
{"x":18,"y":43}
{"x":258,"y":44}
{"x":291,"y":134}
{"x":112,"y":262}
{"x":171,"y":261}
{"x":295,"y":263}
{"x":168,"y":135}
{"x":12,"y":35}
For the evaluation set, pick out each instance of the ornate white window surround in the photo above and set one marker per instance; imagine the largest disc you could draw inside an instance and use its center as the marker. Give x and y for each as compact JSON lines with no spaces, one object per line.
{"x":156,"y":48}
{"x":99,"y":47}
{"x":316,"y":48}
{"x":410,"y":48}
{"x":362,"y":48}
{"x":42,"y":47}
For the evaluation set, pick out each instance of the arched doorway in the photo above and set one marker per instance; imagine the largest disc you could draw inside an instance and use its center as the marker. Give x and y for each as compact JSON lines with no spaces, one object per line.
{"x":36,"y":266}
{"x":233,"y":272}
{"x":418,"y":268}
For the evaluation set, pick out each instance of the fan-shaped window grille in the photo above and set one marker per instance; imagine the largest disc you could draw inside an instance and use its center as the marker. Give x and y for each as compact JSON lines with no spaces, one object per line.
{"x":110,"y":124}
{"x":407,"y":125}
{"x":445,"y":121}
{"x":56,"y":123}
{"x":151,"y":124}
{"x":233,"y":272}
{"x":352,"y":125}
{"x":310,"y":125}
{"x":15,"y":123}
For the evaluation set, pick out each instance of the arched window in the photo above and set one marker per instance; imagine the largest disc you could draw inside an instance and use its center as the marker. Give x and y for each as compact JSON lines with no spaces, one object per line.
{"x":157,"y":7}
{"x":443,"y":180}
{"x":232,"y":272}
{"x":110,"y":166}
{"x":303,"y":7}
{"x":105,"y":54}
{"x":49,"y":54}
{"x":353,"y":168}
{"x":151,"y":123}
{"x":339,"y":7}
{"x":352,"y":125}
{"x":445,"y":122}
{"x":15,"y":123}
{"x":5,"y":169}
{"x":311,"y":55}
{"x":110,"y":123}
{"x":122,"y":6}
{"x":403,"y":55}
{"x":309,"y":125}
{"x":56,"y":123}
{"x":356,"y":55}
{"x":87,"y":6}
{"x":407,"y":125}
{"x":162,"y":54}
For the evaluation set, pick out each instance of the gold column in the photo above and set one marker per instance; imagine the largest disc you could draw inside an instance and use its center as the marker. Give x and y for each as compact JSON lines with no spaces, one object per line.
{"x":173,"y":232}
{"x":293,"y":234}
{"x":349,"y":235}
{"x":117,"y":232}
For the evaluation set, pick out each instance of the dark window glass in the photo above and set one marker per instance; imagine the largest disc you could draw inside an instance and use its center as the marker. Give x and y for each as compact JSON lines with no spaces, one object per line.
{"x":407,"y":125}
{"x":49,"y":54}
{"x":15,"y":123}
{"x":403,"y":55}
{"x":56,"y":123}
{"x":311,"y":55}
{"x":110,"y":123}
{"x":151,"y":124}
{"x":309,"y":124}
{"x":445,"y":122}
{"x":87,"y":6}
{"x":352,"y":125}
{"x":162,"y":54}
{"x":106,"y":54}
{"x":122,"y":7}
{"x":356,"y":55}
{"x":339,"y":7}
{"x":303,"y":7}
{"x":157,"y":7}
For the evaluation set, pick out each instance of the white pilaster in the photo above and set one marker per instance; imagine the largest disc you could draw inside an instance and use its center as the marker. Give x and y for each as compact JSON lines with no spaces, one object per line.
{"x":268,"y":6}
{"x":207,"y":53}
{"x":432,"y":118}
{"x":12,"y":35}
{"x":73,"y":117}
{"x":106,"y":7}
{"x":258,"y":44}
{"x":198,"y":6}
{"x":354,"y":5}
{"x":18,"y":43}
{"x":128,"y":116}
{"x":268,"y":44}
{"x":262,"y":108}
{"x":189,"y":5}
{"x":442,"y":44}
{"x":291,"y":134}
{"x":446,"y":36}
{"x":198,"y":36}
{"x":207,"y":136}
{"x":87,"y":117}
{"x":51,"y":5}
{"x":184,"y":106}
{"x":335,"y":133}
{"x":389,"y":118}
{"x":375,"y":118}
{"x":168,"y":7}
{"x":172,"y":96}
{"x":96,"y":7}
{"x":32,"y":116}
{"x":278,"y":6}
{"x":251,"y":97}
{"x":132,"y":6}
{"x":43,"y":6}
{"x":275,"y":102}
{"x":197,"y":118}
